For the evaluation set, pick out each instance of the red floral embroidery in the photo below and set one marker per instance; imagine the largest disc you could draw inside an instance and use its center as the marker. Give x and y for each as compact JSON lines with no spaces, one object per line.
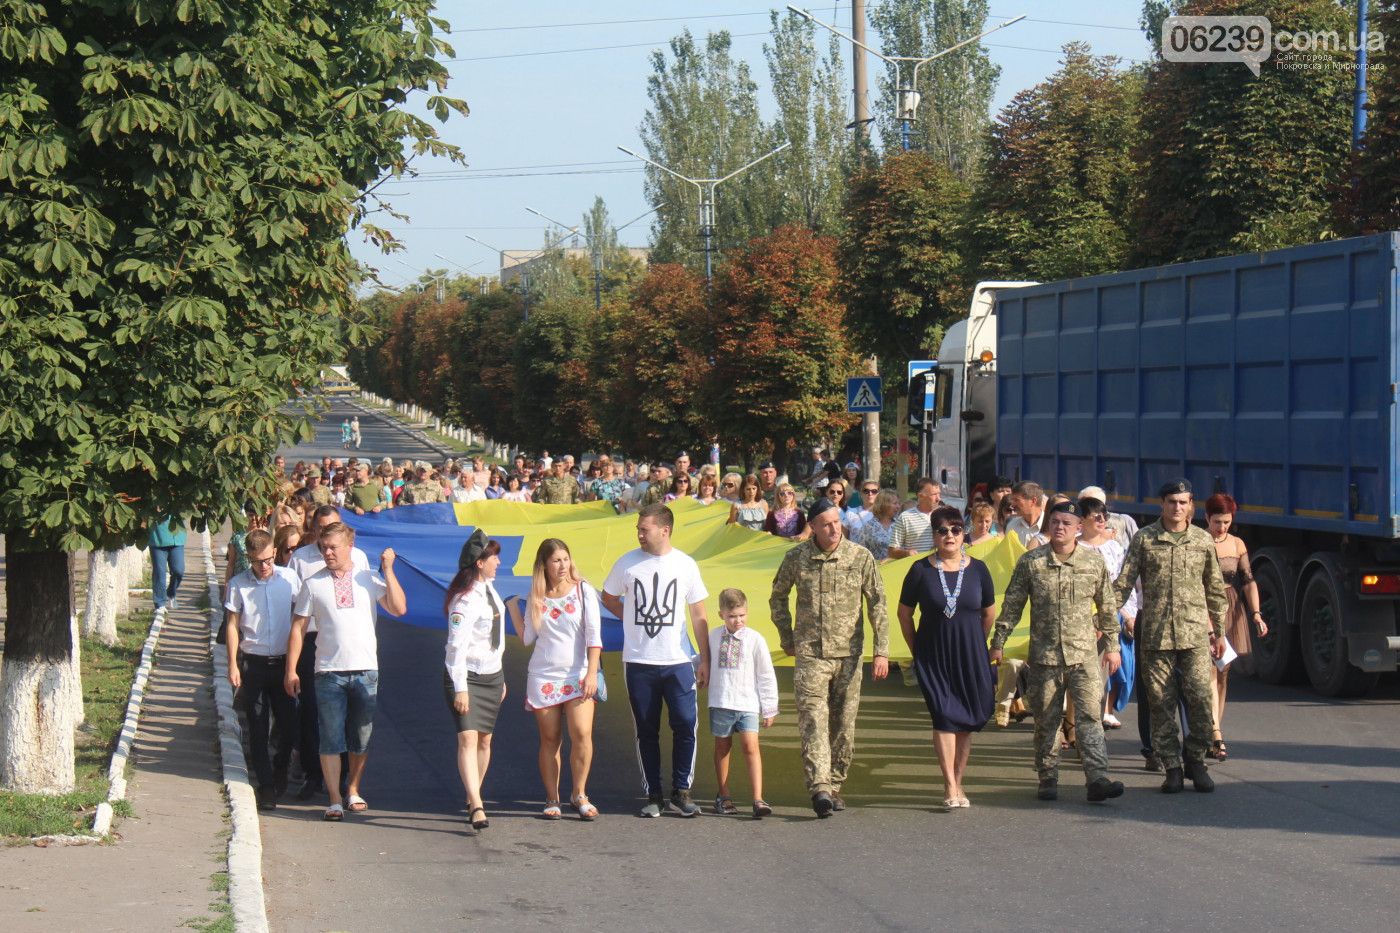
{"x":568,"y":689}
{"x":554,"y":613}
{"x":547,"y":689}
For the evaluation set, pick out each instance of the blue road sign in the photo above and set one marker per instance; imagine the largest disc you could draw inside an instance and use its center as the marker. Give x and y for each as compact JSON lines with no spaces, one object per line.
{"x":922,"y":366}
{"x":864,"y":394}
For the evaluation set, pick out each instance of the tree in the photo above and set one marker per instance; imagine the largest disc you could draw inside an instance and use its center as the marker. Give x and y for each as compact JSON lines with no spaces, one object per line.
{"x":809,"y":179}
{"x":902,"y":269}
{"x":546,"y":386}
{"x":176,"y":184}
{"x":1231,"y":162}
{"x":483,"y":363}
{"x":702,"y":122}
{"x":780,"y":353}
{"x":1052,"y":199}
{"x":1373,"y":204}
{"x":650,"y":357}
{"x":956,"y":90}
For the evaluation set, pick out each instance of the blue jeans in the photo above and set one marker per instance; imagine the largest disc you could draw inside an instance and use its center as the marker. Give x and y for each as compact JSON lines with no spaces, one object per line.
{"x":647,"y":686}
{"x":167,"y":570}
{"x":345,"y":702}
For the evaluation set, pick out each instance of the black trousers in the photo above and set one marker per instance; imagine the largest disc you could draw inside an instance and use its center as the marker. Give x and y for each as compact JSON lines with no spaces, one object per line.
{"x":309,"y":734}
{"x":271,"y":714}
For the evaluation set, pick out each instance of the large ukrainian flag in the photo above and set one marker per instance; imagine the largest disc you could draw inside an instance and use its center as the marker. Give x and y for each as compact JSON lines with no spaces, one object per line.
{"x":427,"y":539}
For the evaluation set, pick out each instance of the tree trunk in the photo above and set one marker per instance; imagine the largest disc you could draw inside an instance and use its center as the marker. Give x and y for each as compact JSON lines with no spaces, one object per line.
{"x":36,"y":713}
{"x":73,"y":677}
{"x":105,"y":577}
{"x":133,"y":563}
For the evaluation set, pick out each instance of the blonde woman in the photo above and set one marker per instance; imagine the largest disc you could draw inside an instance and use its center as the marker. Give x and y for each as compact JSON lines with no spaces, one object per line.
{"x":562,"y":622}
{"x":875,"y":532}
{"x":982,"y":523}
{"x":786,"y":519}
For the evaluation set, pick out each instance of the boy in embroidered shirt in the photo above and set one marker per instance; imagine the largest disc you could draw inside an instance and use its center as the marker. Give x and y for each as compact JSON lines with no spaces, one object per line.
{"x":743,"y":693}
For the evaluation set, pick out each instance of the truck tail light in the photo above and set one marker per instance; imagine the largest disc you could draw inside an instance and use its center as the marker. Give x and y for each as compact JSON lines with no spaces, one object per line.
{"x":1380,"y":584}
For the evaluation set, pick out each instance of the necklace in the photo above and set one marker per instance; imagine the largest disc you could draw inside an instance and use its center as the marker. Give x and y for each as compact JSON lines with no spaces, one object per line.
{"x":951,"y":599}
{"x":1222,"y":539}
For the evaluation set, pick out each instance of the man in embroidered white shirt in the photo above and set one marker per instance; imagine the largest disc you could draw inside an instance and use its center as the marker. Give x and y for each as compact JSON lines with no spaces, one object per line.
{"x":342,"y":598}
{"x":743,"y":694}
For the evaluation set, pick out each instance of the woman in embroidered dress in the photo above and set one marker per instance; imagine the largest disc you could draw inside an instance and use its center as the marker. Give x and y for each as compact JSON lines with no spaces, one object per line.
{"x":955,"y":597}
{"x":563,"y":681}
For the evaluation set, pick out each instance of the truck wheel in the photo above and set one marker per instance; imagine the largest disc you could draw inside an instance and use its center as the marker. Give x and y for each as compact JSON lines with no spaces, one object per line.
{"x":1323,"y":648}
{"x":1274,"y":658}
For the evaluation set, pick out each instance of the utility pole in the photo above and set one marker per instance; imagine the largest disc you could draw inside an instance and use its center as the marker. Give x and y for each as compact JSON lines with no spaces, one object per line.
{"x":870,"y":422}
{"x":594,"y":249}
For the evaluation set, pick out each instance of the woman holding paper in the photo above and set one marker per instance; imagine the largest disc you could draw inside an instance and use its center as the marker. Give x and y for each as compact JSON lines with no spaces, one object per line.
{"x":1243,"y":596}
{"x":564,"y":679}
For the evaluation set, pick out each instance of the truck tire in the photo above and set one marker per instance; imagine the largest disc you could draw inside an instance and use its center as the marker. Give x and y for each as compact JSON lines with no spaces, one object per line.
{"x":1274,"y":659}
{"x":1322,"y":646}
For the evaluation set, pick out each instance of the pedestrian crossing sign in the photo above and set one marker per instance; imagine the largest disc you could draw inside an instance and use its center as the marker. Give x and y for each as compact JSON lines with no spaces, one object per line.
{"x":864,"y":394}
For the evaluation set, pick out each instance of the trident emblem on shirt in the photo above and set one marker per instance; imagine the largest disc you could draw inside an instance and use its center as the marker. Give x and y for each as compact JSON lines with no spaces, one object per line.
{"x":660,"y":612}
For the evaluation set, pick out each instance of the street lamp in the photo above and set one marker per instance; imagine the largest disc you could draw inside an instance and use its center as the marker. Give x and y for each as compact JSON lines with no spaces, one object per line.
{"x":705,"y":187}
{"x":597,"y":252}
{"x":907,"y":100}
{"x":438,"y":280}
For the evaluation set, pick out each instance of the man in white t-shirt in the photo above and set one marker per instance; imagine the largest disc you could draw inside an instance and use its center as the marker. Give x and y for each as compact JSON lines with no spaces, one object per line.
{"x":912,"y":534}
{"x":306,"y":562}
{"x":343,"y":597}
{"x":259,"y":606}
{"x":651,"y":589}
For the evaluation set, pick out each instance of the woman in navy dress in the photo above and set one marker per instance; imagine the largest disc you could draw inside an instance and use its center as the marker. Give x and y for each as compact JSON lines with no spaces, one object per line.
{"x":955,"y":596}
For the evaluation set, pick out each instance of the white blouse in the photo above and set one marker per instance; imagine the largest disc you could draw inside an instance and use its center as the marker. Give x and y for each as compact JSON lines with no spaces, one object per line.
{"x":469,"y":624}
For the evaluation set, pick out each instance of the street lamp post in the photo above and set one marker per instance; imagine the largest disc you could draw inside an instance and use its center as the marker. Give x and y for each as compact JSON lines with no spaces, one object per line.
{"x":907,"y":96}
{"x":705,"y":187}
{"x":596,"y":251}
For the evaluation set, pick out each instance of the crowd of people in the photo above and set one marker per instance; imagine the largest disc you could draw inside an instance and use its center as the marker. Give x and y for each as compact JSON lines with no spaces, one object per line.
{"x":1115,"y":612}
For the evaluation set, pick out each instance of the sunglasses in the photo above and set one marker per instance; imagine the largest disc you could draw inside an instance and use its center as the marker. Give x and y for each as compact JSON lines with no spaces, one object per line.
{"x":727,"y":485}
{"x":870,"y":492}
{"x":948,"y":530}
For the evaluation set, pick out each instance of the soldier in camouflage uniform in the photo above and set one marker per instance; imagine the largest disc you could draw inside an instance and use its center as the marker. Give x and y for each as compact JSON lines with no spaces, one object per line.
{"x":1179,"y":629}
{"x":1073,"y":607}
{"x":558,"y":488}
{"x":832,"y":576}
{"x":423,"y":489}
{"x":320,"y":494}
{"x":659,"y":486}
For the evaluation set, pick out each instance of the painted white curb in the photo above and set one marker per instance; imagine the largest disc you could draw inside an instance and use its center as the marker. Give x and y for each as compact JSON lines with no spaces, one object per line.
{"x":245,"y":880}
{"x":116,"y":771}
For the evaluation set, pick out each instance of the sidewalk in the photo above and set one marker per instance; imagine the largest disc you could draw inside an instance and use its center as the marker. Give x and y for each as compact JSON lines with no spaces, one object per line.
{"x":157,"y":873}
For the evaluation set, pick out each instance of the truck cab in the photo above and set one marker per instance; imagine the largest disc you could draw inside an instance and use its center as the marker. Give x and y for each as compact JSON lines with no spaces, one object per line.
{"x":957,"y":438}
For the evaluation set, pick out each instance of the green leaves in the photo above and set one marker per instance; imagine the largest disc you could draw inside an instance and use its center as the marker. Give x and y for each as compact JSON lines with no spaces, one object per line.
{"x":175,"y":187}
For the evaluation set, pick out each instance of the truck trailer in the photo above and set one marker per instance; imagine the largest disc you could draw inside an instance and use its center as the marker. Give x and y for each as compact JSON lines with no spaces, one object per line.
{"x":1269,"y":376}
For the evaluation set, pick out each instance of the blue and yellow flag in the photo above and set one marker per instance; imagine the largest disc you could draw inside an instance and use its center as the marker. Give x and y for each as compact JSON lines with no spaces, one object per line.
{"x":428,"y":538}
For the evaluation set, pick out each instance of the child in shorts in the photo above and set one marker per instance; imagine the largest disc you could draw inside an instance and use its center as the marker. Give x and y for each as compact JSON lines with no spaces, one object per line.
{"x":743,"y":694}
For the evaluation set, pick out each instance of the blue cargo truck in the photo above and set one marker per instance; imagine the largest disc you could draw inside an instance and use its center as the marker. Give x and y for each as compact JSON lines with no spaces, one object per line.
{"x":1270,"y":376}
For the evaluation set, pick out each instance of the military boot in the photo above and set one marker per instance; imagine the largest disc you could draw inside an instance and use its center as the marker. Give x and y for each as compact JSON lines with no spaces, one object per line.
{"x":1101,"y":789}
{"x":1174,"y":782}
{"x":1200,"y":777}
{"x":1049,"y":789}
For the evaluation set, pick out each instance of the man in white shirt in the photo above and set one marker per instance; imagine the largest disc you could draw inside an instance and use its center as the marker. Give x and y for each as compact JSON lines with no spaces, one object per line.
{"x":650,"y":589}
{"x":259,"y":607}
{"x":466,"y":489}
{"x":1028,"y":500}
{"x":343,"y":598}
{"x":306,"y":562}
{"x":912,"y":534}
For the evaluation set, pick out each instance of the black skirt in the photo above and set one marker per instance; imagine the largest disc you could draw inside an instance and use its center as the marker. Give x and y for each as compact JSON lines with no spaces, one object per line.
{"x":483,"y":701}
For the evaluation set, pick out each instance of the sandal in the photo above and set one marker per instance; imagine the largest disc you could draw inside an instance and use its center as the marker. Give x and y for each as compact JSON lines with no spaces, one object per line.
{"x":1068,"y":739}
{"x":334,"y":813}
{"x":552,"y":810}
{"x":1218,"y":749}
{"x":482,"y":823}
{"x":357,"y":803}
{"x":586,"y":810}
{"x":725,"y":806}
{"x":761,"y":809}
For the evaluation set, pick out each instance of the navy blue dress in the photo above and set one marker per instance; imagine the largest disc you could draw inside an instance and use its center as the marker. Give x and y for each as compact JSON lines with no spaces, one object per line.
{"x":950,"y":655}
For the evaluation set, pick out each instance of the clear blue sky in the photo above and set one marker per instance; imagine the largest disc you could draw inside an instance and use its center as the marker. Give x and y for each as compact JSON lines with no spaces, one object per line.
{"x":549,"y":106}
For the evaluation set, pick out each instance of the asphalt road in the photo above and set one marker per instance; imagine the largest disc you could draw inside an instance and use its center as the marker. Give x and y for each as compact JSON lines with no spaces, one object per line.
{"x":1302,"y":832}
{"x":380,"y":437}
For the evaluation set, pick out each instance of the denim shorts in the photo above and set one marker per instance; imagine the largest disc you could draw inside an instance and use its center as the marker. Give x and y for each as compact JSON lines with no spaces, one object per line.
{"x":724,"y":722}
{"x":345,"y":704}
